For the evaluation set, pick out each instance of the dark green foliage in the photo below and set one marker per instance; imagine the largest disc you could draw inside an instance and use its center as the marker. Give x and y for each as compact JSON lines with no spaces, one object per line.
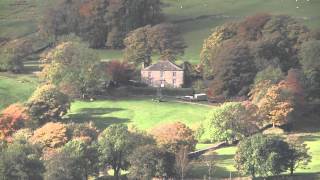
{"x":75,"y":161}
{"x":100,"y":22}
{"x":233,"y":70}
{"x":310,"y":61}
{"x":261,"y":155}
{"x":150,"y":161}
{"x":20,"y":160}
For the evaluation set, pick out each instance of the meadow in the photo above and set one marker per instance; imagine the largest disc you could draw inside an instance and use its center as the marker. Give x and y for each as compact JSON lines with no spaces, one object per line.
{"x":139,"y":112}
{"x":15,"y":88}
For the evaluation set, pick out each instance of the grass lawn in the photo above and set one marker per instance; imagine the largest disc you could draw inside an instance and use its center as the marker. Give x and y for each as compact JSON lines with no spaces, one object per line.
{"x":142,"y":113}
{"x":225,"y":162}
{"x":15,"y":88}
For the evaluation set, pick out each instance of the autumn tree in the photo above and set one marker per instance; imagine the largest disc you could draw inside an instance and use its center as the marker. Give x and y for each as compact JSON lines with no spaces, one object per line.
{"x":99,"y":22}
{"x":13,"y":118}
{"x":72,"y":63}
{"x":120,"y":72}
{"x":229,"y":122}
{"x":163,"y":39}
{"x":149,"y":161}
{"x":173,"y":136}
{"x":13,"y":54}
{"x":86,"y":132}
{"x":51,"y":135}
{"x":48,"y":104}
{"x":268,"y":40}
{"x":21,"y":160}
{"x":276,"y":105}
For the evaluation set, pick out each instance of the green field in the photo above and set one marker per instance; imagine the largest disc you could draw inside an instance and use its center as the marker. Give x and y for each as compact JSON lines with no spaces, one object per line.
{"x":142,"y":113}
{"x":15,"y":88}
{"x":225,"y":163}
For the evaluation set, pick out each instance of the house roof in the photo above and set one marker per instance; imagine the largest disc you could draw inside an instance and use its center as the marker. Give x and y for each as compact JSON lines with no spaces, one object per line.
{"x":163,"y":66}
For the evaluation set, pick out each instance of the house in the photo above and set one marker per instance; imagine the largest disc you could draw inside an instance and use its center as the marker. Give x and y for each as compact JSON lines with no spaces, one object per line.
{"x":163,"y":74}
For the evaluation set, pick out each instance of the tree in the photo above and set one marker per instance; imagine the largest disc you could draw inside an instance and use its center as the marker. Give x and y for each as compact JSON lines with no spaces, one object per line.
{"x":166,"y":40}
{"x":298,"y":155}
{"x":119,"y":72}
{"x":21,"y":160}
{"x":47,"y":104}
{"x":182,"y":162}
{"x":150,"y":161}
{"x":309,"y":59}
{"x":173,"y":136}
{"x":82,"y":161}
{"x":162,"y":39}
{"x":229,"y":122}
{"x":260,"y":155}
{"x":73,"y":63}
{"x":51,"y":135}
{"x":114,"y":147}
{"x":86,"y":132}
{"x":13,"y":55}
{"x":210,"y":162}
{"x":276,"y":105}
{"x":13,"y":118}
{"x":233,"y":70}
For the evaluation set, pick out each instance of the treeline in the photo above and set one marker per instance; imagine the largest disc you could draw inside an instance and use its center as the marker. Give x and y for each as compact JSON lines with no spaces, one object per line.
{"x":102,"y":23}
{"x":238,"y":55}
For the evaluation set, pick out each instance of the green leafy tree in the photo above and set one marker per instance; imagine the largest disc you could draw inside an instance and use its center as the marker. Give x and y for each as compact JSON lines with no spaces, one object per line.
{"x":48,"y":104}
{"x":73,"y":64}
{"x":260,"y":155}
{"x":114,"y":147}
{"x":149,"y":161}
{"x":298,"y":155}
{"x":230,"y":121}
{"x":21,"y":160}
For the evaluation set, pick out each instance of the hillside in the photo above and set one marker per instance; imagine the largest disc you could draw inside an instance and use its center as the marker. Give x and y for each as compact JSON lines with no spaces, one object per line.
{"x":196,"y":18}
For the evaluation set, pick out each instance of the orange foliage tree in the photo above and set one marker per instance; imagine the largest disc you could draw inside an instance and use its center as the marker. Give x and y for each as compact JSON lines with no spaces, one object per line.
{"x":51,"y":135}
{"x":276,"y":105}
{"x":12,"y":119}
{"x":174,"y":136}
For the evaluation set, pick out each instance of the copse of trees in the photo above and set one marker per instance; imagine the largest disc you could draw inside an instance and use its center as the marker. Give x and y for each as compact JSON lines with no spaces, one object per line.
{"x":233,"y":55}
{"x":100,"y":22}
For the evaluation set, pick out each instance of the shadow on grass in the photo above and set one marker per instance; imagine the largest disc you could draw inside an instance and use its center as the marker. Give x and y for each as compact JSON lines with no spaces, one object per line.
{"x":199,"y":171}
{"x":311,"y":138}
{"x":95,"y":115}
{"x":298,"y":176}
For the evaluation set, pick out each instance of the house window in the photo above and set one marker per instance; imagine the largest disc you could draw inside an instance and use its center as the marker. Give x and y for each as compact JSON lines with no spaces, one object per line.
{"x":174,"y":74}
{"x":149,"y":74}
{"x":161,"y":74}
{"x":174,"y":82}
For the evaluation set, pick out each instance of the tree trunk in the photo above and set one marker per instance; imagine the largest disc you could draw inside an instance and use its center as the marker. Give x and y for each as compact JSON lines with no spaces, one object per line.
{"x":291,"y":170}
{"x":116,"y":174}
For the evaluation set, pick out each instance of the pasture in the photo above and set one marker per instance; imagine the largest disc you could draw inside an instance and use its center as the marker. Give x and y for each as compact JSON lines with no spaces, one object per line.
{"x":15,"y":88}
{"x":139,"y":112}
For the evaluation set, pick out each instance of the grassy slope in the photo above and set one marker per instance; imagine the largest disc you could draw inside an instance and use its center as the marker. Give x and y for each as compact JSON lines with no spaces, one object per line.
{"x":143,"y":113}
{"x":15,"y":88}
